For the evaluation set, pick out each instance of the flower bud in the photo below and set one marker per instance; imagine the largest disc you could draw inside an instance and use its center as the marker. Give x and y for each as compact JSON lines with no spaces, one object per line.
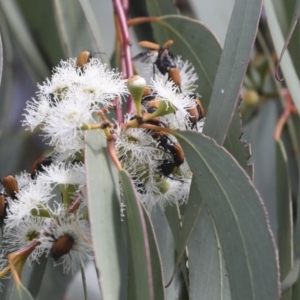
{"x":136,"y":86}
{"x":251,"y":97}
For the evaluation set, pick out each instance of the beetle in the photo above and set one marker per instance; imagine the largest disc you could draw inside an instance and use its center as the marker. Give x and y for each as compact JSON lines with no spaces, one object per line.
{"x":10,"y":185}
{"x":162,"y":58}
{"x":39,"y":164}
{"x":174,"y":149}
{"x":3,"y":207}
{"x":196,"y":113}
{"x":83,"y":58}
{"x":61,"y":246}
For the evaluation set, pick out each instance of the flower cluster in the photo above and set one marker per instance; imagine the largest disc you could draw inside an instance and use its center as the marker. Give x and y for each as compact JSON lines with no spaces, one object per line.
{"x":45,"y":211}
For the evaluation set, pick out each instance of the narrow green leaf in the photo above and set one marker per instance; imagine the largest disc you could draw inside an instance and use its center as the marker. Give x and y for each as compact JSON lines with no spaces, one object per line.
{"x":143,"y":31}
{"x":289,"y":72}
{"x":173,"y":216}
{"x":291,"y":277}
{"x":140,"y":284}
{"x":205,"y":254}
{"x":297,"y":227}
{"x":294,"y":46}
{"x":95,"y":29}
{"x":1,"y":59}
{"x":36,"y":276}
{"x":24,"y":38}
{"x":44,"y":28}
{"x":284,"y":215}
{"x":7,"y":84}
{"x":293,"y":24}
{"x":197,"y":44}
{"x":165,"y":240}
{"x":239,"y":216}
{"x":158,"y":280}
{"x":74,"y":31}
{"x":237,"y":147}
{"x":20,"y":293}
{"x":233,"y":64}
{"x":104,"y":213}
{"x":296,"y":290}
{"x":158,"y":8}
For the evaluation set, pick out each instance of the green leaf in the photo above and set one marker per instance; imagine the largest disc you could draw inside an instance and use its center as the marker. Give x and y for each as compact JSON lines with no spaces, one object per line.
{"x":195,"y":43}
{"x":143,"y":31}
{"x":174,"y":217}
{"x":73,"y":29}
{"x":158,"y":8}
{"x":43,"y":26}
{"x":291,"y":277}
{"x":284,"y":215}
{"x":205,"y":253}
{"x":239,"y":216}
{"x":237,"y":147}
{"x":296,"y":289}
{"x":20,"y":293}
{"x":288,"y":70}
{"x":293,"y":24}
{"x":104,"y":213}
{"x":140,"y":281}
{"x":233,"y":64}
{"x":165,"y":240}
{"x":94,"y":27}
{"x":158,"y":280}
{"x":24,"y":38}
{"x":36,"y":276}
{"x":1,"y":59}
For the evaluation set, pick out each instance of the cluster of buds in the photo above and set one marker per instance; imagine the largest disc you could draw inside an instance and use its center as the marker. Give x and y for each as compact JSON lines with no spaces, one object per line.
{"x":45,"y":211}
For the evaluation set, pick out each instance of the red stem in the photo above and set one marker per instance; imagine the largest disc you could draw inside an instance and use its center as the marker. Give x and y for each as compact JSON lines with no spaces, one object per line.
{"x":289,"y":107}
{"x":128,"y":70}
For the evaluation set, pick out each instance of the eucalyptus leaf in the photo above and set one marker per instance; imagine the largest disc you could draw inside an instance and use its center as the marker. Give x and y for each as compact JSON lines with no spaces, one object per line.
{"x":239,"y":216}
{"x":173,"y":216}
{"x":284,"y":215}
{"x":104,"y":213}
{"x":140,"y":281}
{"x":291,"y":277}
{"x":156,"y":264}
{"x":237,"y":147}
{"x":239,"y":41}
{"x":1,"y":59}
{"x":143,"y":31}
{"x":288,"y":70}
{"x":23,"y":37}
{"x":43,"y":26}
{"x":194,"y":206}
{"x":195,"y":43}
{"x":73,"y":28}
{"x":36,"y":276}
{"x":205,"y":253}
{"x":21,"y":293}
{"x":95,"y":29}
{"x":165,"y":240}
{"x":158,"y":8}
{"x":6,"y":85}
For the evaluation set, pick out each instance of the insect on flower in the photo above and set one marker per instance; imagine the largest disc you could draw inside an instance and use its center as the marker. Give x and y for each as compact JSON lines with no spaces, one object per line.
{"x":162,"y":58}
{"x":83,"y":58}
{"x":196,"y":113}
{"x":39,"y":164}
{"x":61,"y":246}
{"x":10,"y":186}
{"x":3,"y":207}
{"x":174,"y":149}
